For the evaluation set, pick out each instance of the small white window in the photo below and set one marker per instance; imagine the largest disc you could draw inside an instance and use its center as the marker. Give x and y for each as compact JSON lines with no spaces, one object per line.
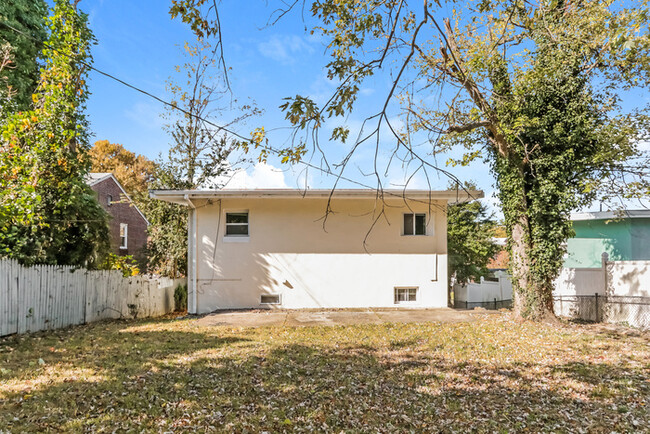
{"x":415,"y":224}
{"x":270,"y":299}
{"x":109,"y":199}
{"x":237,"y":224}
{"x":124,"y":235}
{"x":405,"y":295}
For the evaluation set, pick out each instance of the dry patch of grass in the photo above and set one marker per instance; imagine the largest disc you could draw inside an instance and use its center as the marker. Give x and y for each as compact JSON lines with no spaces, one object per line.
{"x":494,"y":375}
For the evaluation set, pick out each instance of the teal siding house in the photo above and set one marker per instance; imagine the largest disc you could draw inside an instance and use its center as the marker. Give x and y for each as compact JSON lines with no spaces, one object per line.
{"x":624,"y":238}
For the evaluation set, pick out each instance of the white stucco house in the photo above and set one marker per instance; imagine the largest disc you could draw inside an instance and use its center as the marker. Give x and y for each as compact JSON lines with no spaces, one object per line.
{"x":273,"y":248}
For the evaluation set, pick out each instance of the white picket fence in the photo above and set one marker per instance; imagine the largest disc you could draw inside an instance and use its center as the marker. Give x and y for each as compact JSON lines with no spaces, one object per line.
{"x":48,"y":297}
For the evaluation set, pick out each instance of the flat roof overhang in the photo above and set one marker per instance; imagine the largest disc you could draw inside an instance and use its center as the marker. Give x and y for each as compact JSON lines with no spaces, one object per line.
{"x":611,"y":215}
{"x":182,"y":197}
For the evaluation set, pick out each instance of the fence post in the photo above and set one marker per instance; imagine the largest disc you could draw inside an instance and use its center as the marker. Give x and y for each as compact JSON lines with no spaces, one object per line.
{"x":604,"y":260}
{"x":495,"y":304}
{"x":597,"y":320}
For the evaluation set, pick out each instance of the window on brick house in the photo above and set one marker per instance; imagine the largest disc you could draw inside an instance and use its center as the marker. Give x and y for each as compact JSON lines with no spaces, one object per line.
{"x":124,"y":235}
{"x":109,"y":199}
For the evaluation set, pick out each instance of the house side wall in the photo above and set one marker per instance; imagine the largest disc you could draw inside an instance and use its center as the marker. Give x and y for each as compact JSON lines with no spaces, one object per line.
{"x":122,"y":210}
{"x":640,"y":240}
{"x":290,"y":253}
{"x":622,"y":240}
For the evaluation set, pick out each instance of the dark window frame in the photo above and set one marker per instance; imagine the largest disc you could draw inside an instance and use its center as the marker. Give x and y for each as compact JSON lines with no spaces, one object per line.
{"x":233,"y":225}
{"x":414,"y":224}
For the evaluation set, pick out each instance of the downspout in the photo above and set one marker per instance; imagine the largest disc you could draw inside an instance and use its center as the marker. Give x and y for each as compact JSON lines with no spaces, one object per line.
{"x":191,"y":256}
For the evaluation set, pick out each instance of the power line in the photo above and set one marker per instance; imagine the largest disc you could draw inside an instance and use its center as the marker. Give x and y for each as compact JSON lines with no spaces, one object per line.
{"x":131,"y":86}
{"x":206,"y":121}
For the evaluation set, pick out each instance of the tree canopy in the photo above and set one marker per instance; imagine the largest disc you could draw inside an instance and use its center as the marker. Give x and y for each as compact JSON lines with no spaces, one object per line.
{"x":48,"y":214}
{"x":198,"y":153}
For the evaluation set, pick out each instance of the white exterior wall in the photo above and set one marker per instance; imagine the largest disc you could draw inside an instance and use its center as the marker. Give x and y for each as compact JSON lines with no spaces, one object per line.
{"x":289,"y":253}
{"x":615,"y":278}
{"x":580,"y":281}
{"x":628,"y":278}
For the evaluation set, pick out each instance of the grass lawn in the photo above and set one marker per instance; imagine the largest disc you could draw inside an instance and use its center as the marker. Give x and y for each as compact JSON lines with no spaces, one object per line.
{"x":494,"y":375}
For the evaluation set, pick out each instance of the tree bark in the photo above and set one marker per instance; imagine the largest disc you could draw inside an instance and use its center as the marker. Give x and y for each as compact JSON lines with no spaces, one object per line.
{"x":533,"y":298}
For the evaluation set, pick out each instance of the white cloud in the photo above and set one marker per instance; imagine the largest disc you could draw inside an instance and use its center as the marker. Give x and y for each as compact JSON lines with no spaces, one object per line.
{"x":403,"y":180}
{"x":493,"y":204}
{"x":262,"y":175}
{"x":284,"y":48}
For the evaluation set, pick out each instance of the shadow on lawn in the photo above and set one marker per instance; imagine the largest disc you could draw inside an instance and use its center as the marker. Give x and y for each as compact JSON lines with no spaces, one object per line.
{"x":111,"y":350}
{"x":175,"y":382}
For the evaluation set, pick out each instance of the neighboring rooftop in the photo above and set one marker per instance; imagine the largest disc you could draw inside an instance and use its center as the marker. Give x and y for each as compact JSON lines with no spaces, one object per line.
{"x":95,"y":177}
{"x":181,"y":196}
{"x":611,"y":215}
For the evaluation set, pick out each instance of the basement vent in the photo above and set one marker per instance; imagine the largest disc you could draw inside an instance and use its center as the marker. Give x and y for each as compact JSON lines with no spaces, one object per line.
{"x":270,"y":299}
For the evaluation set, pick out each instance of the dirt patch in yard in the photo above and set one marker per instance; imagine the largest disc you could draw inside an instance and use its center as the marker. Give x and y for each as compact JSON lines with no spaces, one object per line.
{"x":332,"y":317}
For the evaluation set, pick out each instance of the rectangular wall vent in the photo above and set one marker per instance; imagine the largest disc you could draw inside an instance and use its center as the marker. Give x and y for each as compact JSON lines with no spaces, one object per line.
{"x":270,"y":299}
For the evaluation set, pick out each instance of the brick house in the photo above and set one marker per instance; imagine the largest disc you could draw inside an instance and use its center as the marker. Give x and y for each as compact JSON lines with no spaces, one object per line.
{"x":128,"y":226}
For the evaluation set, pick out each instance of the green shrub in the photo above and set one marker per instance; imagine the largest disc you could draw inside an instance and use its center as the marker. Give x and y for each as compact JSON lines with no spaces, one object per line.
{"x":126,"y":264}
{"x":180,"y":297}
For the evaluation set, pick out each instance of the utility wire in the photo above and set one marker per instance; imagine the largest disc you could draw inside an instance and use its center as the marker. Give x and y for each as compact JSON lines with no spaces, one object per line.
{"x":137,"y":89}
{"x":218,"y":127}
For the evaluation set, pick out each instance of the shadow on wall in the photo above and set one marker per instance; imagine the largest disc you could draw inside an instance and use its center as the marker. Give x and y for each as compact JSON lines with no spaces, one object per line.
{"x":254,"y":268}
{"x":628,"y":290}
{"x":623,"y":289}
{"x":628,"y":278}
{"x":268,"y":274}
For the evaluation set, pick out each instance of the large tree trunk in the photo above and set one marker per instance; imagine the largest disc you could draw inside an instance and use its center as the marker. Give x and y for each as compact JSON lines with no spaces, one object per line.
{"x":533,"y":297}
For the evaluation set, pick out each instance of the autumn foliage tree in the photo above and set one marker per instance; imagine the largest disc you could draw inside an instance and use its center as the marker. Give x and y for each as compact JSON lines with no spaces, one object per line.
{"x":48,"y":214}
{"x":135,"y":172}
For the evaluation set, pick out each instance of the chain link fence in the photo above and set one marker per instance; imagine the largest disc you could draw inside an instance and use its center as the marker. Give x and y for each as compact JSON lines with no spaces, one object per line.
{"x":628,"y":310}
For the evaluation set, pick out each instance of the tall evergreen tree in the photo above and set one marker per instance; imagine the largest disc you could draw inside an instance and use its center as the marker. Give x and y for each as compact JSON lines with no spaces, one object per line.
{"x":48,"y":214}
{"x":23,"y":28}
{"x":470,"y":247}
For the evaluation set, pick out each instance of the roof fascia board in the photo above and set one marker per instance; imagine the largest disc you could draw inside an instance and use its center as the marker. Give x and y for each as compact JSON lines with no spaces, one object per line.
{"x":181,"y":196}
{"x":610,"y":215}
{"x":92,"y":182}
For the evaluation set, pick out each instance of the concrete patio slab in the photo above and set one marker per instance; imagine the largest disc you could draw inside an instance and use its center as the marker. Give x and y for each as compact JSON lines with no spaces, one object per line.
{"x":331,"y":317}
